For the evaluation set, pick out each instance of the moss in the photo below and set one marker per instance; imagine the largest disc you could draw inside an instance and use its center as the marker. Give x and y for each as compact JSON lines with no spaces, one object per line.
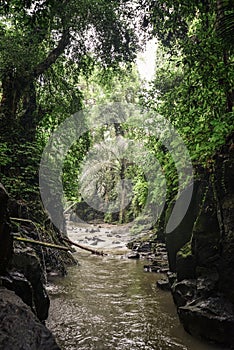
{"x":185,"y":251}
{"x":169,"y":211}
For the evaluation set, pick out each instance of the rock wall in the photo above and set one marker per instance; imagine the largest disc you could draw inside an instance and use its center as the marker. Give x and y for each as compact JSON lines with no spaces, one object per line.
{"x":24,"y":302}
{"x":201,"y":252}
{"x":182,"y":234}
{"x":28,"y":264}
{"x":224,"y":185}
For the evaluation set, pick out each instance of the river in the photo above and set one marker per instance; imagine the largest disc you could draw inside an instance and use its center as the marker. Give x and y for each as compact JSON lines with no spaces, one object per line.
{"x":110,"y":303}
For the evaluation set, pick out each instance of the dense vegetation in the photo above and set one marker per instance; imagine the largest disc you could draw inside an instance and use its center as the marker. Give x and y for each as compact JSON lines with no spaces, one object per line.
{"x":81,"y":130}
{"x":59,"y":57}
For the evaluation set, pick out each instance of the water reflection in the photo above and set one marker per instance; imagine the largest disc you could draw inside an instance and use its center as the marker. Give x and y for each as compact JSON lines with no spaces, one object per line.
{"x":111,"y":303}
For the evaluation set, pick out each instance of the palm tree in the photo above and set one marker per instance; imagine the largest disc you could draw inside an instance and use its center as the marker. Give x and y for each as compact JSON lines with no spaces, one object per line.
{"x":102,"y":183}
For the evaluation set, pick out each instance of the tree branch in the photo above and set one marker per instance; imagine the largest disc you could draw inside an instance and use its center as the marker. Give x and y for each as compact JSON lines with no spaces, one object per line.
{"x":53,"y":55}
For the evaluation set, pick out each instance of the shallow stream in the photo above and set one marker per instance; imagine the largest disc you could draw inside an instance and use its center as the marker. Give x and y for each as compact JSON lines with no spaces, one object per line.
{"x":110,"y":303}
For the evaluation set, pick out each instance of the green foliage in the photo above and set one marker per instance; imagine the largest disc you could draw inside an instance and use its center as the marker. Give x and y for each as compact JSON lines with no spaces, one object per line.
{"x":140,"y":190}
{"x":19,"y":173}
{"x":46,"y":46}
{"x":72,"y":165}
{"x":60,"y":86}
{"x":59,"y":57}
{"x":185,"y":251}
{"x":105,"y":86}
{"x":194,"y":82}
{"x":31,"y":29}
{"x":4,"y":156}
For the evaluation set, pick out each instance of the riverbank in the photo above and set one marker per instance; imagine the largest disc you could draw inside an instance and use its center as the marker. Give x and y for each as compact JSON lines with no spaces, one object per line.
{"x":24,"y":268}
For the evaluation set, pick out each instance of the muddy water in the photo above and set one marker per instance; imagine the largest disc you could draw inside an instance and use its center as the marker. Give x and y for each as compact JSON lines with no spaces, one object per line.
{"x":110,"y":303}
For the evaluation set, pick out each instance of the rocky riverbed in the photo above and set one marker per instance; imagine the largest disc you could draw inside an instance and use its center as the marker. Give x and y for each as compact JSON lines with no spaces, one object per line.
{"x":204,"y":314}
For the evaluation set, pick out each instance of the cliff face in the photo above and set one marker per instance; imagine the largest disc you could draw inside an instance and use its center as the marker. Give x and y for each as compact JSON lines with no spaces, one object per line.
{"x":201,"y":252}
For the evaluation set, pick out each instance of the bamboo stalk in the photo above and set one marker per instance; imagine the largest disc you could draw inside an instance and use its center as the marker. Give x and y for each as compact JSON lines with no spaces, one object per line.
{"x":45,"y":244}
{"x":93,"y":251}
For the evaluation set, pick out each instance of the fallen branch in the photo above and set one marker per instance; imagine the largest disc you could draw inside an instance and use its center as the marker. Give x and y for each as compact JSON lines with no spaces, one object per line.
{"x":93,"y":251}
{"x":45,"y":244}
{"x":71,"y":206}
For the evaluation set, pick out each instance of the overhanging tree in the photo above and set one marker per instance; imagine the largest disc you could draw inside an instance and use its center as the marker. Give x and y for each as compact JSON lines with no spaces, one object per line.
{"x":35,"y":34}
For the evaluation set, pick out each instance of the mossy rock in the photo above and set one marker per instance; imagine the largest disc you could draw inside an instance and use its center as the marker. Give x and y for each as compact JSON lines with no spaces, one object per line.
{"x":185,"y":263}
{"x":182,"y":234}
{"x":185,"y":251}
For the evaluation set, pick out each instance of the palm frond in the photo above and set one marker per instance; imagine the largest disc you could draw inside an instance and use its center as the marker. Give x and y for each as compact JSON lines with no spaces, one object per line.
{"x":225,"y":23}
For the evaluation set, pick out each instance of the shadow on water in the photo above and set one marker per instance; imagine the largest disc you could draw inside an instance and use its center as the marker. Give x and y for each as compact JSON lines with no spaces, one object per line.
{"x":110,"y":303}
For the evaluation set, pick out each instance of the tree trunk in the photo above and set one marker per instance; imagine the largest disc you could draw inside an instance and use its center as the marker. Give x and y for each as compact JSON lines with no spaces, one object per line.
{"x":123,"y":192}
{"x":12,"y":89}
{"x":28,"y":121}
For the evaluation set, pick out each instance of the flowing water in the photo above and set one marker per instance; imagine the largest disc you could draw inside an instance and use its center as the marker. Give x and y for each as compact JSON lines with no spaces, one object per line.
{"x":110,"y":303}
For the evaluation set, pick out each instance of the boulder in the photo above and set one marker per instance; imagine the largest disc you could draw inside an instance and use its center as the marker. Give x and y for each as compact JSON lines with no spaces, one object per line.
{"x":171,"y":277}
{"x":207,"y":284}
{"x":183,"y":292}
{"x":133,"y":255}
{"x":206,"y":233}
{"x":28,"y":263}
{"x":206,"y":303}
{"x":211,"y":319}
{"x":20,"y":328}
{"x":17,"y":282}
{"x":164,"y":284}
{"x":151,"y":268}
{"x":144,"y":247}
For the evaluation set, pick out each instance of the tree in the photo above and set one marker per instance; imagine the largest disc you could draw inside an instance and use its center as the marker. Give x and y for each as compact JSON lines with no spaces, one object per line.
{"x":187,"y":27}
{"x":194,"y":85}
{"x":35,"y":34}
